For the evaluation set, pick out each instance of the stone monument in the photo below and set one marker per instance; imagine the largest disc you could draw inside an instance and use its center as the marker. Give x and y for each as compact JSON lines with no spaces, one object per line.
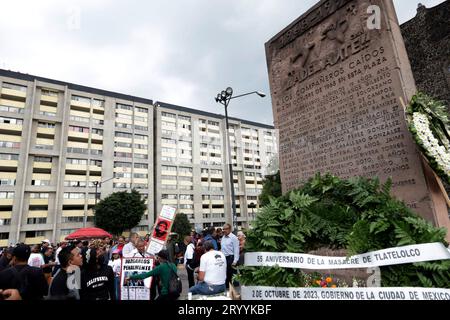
{"x":339,"y":78}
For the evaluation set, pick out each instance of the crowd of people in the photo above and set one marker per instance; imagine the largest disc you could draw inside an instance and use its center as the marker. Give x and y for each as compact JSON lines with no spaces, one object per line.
{"x":90,"y":270}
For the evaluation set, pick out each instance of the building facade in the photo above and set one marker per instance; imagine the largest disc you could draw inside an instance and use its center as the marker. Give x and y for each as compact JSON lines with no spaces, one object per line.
{"x":59,"y":140}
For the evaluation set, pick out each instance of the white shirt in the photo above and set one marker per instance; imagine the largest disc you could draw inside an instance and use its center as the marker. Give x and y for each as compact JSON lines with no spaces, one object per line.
{"x":56,"y":255}
{"x":189,"y":254}
{"x":214,"y":265}
{"x":127,"y":249}
{"x":36,"y":260}
{"x":116,"y":265}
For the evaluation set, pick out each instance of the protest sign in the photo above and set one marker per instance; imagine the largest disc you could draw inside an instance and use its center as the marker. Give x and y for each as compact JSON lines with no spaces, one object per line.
{"x":135,"y":289}
{"x":161,"y":230}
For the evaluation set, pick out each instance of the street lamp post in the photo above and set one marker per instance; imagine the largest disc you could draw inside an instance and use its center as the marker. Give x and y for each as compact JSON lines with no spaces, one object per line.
{"x":224,"y":98}
{"x":96,"y":183}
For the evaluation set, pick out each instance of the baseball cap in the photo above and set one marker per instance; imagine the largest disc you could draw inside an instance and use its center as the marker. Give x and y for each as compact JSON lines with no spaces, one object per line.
{"x":22,"y":252}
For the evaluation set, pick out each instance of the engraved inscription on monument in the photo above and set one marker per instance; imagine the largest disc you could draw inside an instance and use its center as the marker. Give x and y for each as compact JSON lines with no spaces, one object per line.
{"x":336,"y":82}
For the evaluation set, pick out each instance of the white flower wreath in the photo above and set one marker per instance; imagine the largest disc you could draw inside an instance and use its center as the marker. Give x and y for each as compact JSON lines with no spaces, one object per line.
{"x":428,"y":122}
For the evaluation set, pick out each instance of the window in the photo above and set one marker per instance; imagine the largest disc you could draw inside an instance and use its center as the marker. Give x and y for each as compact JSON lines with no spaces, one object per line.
{"x":123,"y":116}
{"x":36,"y":220}
{"x":141,"y":175}
{"x":79,"y":119}
{"x":11,"y":120}
{"x":187,"y":197}
{"x":74,"y":195}
{"x":185,"y":170}
{"x":123,"y":134}
{"x":164,"y":177}
{"x":168,"y":141}
{"x":169,"y":159}
{"x":169,"y":196}
{"x":5,"y":222}
{"x":46,"y":125}
{"x":118,"y":164}
{"x":98,"y":103}
{"x":141,"y":128}
{"x":75,"y":184}
{"x":142,"y":110}
{"x":97,"y":131}
{"x":97,"y":163}
{"x":46,"y":92}
{"x":168,"y":124}
{"x":186,"y":206}
{"x":71,"y":219}
{"x":141,"y":119}
{"x":122,"y":174}
{"x":34,"y":234}
{"x":4,"y":235}
{"x":77,"y":150}
{"x":79,"y":129}
{"x":122,"y":185}
{"x":123,"y":125}
{"x":97,"y":122}
{"x":140,"y":137}
{"x":141,"y":146}
{"x":65,"y":232}
{"x":186,"y":187}
{"x":168,"y":115}
{"x":13,"y":86}
{"x":38,"y":195}
{"x":122,"y":144}
{"x":141,"y":166}
{"x":81,"y":99}
{"x":186,"y":118}
{"x":213,"y":123}
{"x":181,"y":178}
{"x":123,"y":155}
{"x":76,"y":161}
{"x":11,"y":109}
{"x":140,"y":156}
{"x":9,"y":156}
{"x":40,"y":182}
{"x":202,"y":121}
{"x":120,"y":106}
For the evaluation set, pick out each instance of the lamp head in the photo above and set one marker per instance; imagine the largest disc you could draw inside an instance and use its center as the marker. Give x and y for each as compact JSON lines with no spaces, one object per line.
{"x":261,"y":94}
{"x":229,"y":91}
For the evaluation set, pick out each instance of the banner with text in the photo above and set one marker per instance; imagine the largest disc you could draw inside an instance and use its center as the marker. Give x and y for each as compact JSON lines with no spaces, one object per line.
{"x":135,"y":289}
{"x":385,"y":257}
{"x":161,"y":229}
{"x":387,"y":293}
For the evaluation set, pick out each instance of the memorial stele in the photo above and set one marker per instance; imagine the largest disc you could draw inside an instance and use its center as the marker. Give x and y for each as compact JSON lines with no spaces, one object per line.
{"x":340,"y":78}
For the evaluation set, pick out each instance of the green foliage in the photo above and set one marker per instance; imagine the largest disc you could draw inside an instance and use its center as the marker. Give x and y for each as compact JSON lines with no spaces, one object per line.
{"x":120,"y":211}
{"x":181,"y":226}
{"x":271,"y":188}
{"x":358,"y":214}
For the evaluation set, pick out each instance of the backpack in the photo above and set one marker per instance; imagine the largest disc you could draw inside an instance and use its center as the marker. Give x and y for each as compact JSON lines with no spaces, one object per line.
{"x":175,"y":284}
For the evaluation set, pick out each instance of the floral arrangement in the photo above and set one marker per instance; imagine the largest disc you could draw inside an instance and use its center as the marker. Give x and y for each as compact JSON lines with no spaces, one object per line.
{"x":429,"y":124}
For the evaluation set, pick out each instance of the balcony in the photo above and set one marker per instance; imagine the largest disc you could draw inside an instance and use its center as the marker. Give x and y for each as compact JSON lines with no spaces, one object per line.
{"x":173,"y":202}
{"x":51,"y":99}
{"x":4,"y":243}
{"x":39,"y":202}
{"x":80,"y":104}
{"x":37,"y":214}
{"x":76,"y":167}
{"x":46,"y":131}
{"x":74,"y":201}
{"x":73,"y":213}
{"x":8,"y":163}
{"x":6,"y":202}
{"x":35,"y":240}
{"x":95,"y":169}
{"x":14,"y":93}
{"x":11,"y":128}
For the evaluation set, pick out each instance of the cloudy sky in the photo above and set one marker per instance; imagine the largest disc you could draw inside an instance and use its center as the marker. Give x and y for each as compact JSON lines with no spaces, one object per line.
{"x":181,"y":51}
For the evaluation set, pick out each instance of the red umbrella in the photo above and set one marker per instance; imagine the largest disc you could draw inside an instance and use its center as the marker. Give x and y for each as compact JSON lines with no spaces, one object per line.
{"x":88,"y":233}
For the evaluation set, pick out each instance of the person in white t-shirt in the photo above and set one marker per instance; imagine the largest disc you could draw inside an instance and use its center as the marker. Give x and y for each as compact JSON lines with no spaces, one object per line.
{"x":36,"y":259}
{"x":130,"y":246}
{"x":212,"y":272}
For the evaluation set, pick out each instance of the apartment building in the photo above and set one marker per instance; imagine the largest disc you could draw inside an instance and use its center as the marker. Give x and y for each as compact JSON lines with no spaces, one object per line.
{"x":59,"y":140}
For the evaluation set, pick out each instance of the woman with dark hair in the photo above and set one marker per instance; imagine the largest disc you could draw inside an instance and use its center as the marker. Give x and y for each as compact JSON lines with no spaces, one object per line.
{"x":97,"y":279}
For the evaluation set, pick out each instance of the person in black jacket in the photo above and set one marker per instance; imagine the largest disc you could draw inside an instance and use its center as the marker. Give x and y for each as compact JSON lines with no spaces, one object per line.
{"x":97,"y":279}
{"x":29,"y":281}
{"x":71,"y":261}
{"x":6,"y":258}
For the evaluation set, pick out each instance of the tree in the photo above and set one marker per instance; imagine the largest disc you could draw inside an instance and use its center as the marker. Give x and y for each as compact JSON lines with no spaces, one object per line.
{"x":271,"y":187}
{"x":120,"y":211}
{"x":181,"y":225}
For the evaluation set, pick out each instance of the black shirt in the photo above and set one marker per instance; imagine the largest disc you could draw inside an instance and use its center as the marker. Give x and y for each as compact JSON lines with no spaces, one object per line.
{"x":47,"y":260}
{"x":59,"y":289}
{"x":97,"y":285}
{"x":4,"y":262}
{"x":30,"y":281}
